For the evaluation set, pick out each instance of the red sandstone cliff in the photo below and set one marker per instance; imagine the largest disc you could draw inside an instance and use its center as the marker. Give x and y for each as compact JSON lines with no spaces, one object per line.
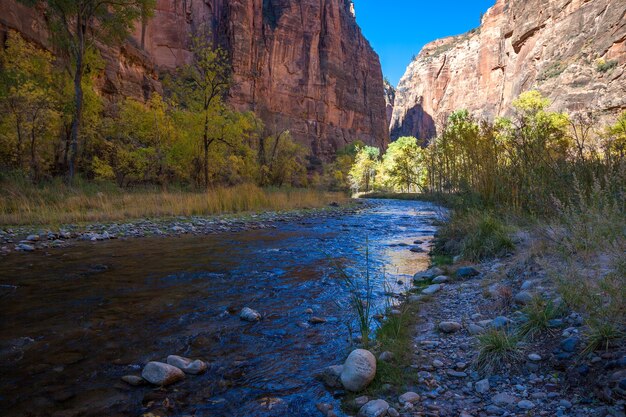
{"x":301,"y":65}
{"x":555,"y":46}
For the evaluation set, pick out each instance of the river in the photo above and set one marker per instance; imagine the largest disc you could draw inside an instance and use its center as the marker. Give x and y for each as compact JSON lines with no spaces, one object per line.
{"x":75,"y":320}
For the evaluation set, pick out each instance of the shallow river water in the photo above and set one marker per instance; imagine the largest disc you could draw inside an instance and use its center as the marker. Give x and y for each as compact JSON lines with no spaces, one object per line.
{"x":75,"y":320}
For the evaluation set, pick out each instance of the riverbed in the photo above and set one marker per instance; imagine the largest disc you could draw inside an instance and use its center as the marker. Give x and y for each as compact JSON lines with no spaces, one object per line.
{"x":74,"y":320}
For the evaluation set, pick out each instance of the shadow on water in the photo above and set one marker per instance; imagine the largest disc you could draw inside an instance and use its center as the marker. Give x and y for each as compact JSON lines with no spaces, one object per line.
{"x":75,"y":320}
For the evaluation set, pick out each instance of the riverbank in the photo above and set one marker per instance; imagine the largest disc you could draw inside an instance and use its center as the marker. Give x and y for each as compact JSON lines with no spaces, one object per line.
{"x":528,"y":320}
{"x":54,"y":204}
{"x":26,"y":239}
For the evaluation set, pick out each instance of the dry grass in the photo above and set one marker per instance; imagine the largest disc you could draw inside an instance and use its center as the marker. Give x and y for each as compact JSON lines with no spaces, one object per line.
{"x":56,"y":204}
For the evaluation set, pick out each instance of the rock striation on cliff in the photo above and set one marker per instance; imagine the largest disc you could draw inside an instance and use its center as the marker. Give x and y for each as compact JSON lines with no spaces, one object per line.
{"x":572,"y":51}
{"x":301,"y":65}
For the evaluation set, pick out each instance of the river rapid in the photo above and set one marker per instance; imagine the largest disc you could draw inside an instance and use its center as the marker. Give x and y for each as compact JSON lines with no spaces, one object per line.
{"x":74,"y":320}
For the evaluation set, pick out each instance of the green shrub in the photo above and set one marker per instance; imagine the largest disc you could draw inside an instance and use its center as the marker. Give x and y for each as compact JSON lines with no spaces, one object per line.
{"x":474,"y":235}
{"x":605,"y":66}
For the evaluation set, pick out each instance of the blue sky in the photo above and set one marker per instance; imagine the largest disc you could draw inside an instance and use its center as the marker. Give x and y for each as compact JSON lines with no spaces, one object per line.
{"x":397,"y":29}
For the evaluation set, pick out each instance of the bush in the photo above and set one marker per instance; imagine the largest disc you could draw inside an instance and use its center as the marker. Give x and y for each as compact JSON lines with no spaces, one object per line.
{"x":474,"y":235}
{"x":605,"y":66}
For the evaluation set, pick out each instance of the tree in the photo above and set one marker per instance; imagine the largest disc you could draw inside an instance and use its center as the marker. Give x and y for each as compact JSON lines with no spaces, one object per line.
{"x":28,"y":98}
{"x":403,"y":164}
{"x":76,"y":25}
{"x":201,"y":86}
{"x":282,"y":161}
{"x":363,"y":172}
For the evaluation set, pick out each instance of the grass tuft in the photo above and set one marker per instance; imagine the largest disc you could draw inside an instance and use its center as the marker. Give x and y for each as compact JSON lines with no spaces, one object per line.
{"x":497,"y":348}
{"x":538,"y":313}
{"x":603,"y":336}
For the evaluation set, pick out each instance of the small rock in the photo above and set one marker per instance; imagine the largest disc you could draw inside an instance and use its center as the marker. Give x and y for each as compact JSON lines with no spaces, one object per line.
{"x":449,"y":326}
{"x":33,"y":238}
{"x":570,"y":344}
{"x":24,"y":247}
{"x":359,"y":370}
{"x":133,"y":380}
{"x":527,"y":285}
{"x":534,"y":357}
{"x":409,"y":397}
{"x":375,"y":408}
{"x":309,"y":311}
{"x":159,"y":373}
{"x":482,"y":386}
{"x":416,"y":249}
{"x":361,"y":401}
{"x":249,"y":314}
{"x":188,"y":366}
{"x":503,"y":399}
{"x":526,"y":405}
{"x":437,"y":363}
{"x":500,"y":322}
{"x":386,"y":356}
{"x":440,"y":279}
{"x":475,"y":329}
{"x":565,"y":404}
{"x":331,"y":376}
{"x":392,"y":412}
{"x":523,"y":297}
{"x":456,"y":374}
{"x":431,"y":289}
{"x":317,"y":320}
{"x":467,"y":272}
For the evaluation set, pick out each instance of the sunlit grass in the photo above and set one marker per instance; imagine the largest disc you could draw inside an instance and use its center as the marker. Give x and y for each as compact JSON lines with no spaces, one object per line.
{"x":56,"y":204}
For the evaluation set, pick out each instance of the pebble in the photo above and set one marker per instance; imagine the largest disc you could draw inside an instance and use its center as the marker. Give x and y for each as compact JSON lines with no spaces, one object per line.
{"x":500,"y":322}
{"x":317,"y":320}
{"x":523,"y":297}
{"x":440,"y":279}
{"x":249,"y":314}
{"x":385,"y":356}
{"x":475,"y":329}
{"x":467,"y":272}
{"x":437,"y":363}
{"x":526,"y":405}
{"x":408,"y":397}
{"x":375,"y":408}
{"x":133,"y":380}
{"x":534,"y":357}
{"x":482,"y":386}
{"x":188,"y":366}
{"x":570,"y":344}
{"x":503,"y":399}
{"x":392,"y":412}
{"x":449,"y":326}
{"x":159,"y":373}
{"x":431,"y":289}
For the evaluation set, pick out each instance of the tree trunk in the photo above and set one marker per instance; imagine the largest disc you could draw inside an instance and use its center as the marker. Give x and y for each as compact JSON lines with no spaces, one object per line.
{"x":34,"y":167}
{"x":78,"y":99}
{"x":206,"y":151}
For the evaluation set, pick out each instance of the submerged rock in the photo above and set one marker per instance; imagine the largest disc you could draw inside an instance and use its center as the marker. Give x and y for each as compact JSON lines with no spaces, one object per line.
{"x":359,"y":370}
{"x":317,"y":320}
{"x":249,"y":314}
{"x":188,"y":366}
{"x":159,"y":373}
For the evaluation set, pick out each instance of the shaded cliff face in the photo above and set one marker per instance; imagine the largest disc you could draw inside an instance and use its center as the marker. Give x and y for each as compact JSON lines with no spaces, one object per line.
{"x":562,"y":48}
{"x":301,"y":65}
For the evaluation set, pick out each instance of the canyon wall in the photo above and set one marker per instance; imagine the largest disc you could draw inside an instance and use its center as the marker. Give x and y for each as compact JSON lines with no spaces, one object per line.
{"x":301,"y":65}
{"x":572,"y":51}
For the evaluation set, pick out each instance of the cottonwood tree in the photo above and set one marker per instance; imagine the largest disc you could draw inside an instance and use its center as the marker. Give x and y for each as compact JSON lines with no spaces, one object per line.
{"x":403,"y":164}
{"x":365,"y":168}
{"x":76,"y":26}
{"x":28,"y":99}
{"x":201,"y":86}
